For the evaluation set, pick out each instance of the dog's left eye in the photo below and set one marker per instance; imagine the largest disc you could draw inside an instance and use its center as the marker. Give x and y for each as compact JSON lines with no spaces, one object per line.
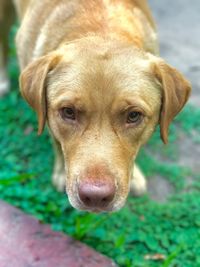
{"x":134,"y":117}
{"x":68,"y":113}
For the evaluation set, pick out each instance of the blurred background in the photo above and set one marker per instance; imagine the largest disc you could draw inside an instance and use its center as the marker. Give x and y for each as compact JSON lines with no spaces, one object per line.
{"x":163,"y":227}
{"x":179,"y":33}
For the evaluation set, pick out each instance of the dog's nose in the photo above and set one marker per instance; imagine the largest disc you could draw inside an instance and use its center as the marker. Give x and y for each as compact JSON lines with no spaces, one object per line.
{"x":96,"y":195}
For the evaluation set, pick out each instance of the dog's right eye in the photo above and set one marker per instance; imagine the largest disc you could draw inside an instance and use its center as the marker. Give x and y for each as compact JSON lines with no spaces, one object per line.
{"x":68,"y":113}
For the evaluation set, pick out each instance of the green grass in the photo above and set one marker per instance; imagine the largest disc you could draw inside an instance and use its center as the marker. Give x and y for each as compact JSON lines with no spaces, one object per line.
{"x":141,"y":229}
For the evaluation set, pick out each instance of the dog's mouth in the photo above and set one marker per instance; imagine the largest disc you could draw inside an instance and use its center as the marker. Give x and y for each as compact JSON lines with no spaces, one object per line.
{"x":80,"y":206}
{"x":97,"y":210}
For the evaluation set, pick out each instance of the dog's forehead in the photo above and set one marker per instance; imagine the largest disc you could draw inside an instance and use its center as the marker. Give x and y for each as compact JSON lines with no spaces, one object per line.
{"x":83,"y":64}
{"x":101,"y":77}
{"x":98,"y":48}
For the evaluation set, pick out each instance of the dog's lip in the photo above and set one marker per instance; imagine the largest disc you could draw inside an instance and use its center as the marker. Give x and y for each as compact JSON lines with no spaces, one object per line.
{"x":96,"y":210}
{"x":108,"y":208}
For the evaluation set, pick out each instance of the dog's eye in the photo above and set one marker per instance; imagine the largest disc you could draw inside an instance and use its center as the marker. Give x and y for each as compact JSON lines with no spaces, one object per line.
{"x":68,"y":113}
{"x":134,"y":117}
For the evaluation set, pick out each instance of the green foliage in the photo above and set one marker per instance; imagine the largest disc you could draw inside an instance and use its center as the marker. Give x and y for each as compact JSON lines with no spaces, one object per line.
{"x":142,"y":228}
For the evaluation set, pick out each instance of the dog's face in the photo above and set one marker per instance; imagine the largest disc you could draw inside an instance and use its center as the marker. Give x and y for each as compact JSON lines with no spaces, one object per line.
{"x":102,"y":103}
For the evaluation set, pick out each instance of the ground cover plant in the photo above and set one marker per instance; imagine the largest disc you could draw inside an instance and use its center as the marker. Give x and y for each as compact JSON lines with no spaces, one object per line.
{"x":144,"y":233}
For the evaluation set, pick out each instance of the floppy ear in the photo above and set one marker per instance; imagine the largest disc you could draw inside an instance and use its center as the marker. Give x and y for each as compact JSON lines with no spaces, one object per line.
{"x":33,"y":85}
{"x":176,"y":90}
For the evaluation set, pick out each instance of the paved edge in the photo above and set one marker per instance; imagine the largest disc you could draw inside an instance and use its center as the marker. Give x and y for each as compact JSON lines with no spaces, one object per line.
{"x":24,"y":241}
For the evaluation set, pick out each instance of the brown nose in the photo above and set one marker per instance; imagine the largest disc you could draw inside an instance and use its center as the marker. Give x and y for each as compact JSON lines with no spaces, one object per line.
{"x":96,"y":195}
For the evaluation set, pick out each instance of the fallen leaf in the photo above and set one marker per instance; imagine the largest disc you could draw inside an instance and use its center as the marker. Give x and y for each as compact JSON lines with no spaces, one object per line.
{"x":155,"y":257}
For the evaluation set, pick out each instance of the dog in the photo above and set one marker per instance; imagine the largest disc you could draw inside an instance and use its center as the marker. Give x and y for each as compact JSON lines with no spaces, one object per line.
{"x":91,"y":70}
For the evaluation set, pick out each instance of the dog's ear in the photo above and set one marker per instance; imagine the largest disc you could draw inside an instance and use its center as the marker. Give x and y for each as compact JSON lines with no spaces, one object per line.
{"x":33,"y":85}
{"x":175,"y":93}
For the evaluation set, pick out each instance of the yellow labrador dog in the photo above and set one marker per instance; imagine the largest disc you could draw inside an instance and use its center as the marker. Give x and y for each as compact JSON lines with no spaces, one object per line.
{"x":91,"y":70}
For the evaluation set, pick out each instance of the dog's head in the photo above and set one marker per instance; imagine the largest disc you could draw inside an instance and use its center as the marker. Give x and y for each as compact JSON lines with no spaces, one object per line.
{"x":102,"y":102}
